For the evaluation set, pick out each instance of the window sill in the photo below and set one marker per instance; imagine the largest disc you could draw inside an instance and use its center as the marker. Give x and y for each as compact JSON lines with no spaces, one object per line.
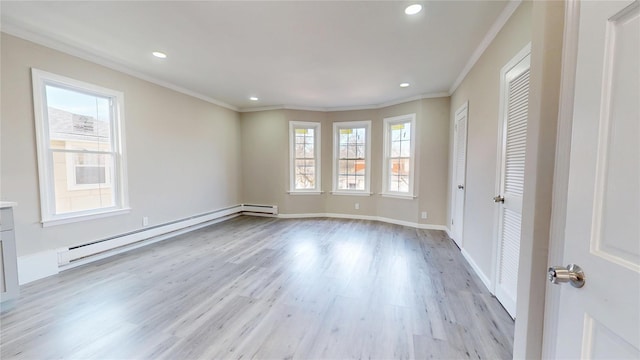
{"x":351,"y":193}
{"x":83,"y":217}
{"x":305,"y":192}
{"x":398,"y":196}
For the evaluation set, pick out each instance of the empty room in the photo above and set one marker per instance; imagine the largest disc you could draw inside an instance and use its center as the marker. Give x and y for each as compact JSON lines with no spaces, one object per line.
{"x":320,"y":179}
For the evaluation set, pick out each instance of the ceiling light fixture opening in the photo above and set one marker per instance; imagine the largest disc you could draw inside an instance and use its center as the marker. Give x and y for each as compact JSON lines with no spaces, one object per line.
{"x":159,"y":54}
{"x":413,"y":9}
{"x":404,"y":85}
{"x":253,"y":98}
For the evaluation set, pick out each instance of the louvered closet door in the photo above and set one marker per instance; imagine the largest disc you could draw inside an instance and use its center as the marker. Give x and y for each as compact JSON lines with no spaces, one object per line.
{"x":514,"y":129}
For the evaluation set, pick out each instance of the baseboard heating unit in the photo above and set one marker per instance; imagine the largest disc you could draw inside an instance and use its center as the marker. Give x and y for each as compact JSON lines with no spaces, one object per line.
{"x":260,"y":210}
{"x":81,"y":254}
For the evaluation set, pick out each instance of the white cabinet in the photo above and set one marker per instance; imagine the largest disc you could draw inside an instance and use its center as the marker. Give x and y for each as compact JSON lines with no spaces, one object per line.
{"x":8,"y":260}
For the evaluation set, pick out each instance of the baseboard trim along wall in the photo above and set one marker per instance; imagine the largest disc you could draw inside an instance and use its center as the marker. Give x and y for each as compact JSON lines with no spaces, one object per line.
{"x":36,"y":266}
{"x":365,"y":217}
{"x":484,"y":278}
{"x":450,"y":234}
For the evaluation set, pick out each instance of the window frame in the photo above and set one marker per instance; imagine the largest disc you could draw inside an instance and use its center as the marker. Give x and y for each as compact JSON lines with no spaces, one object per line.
{"x":337,"y":126}
{"x":386,"y":156}
{"x":317,"y":128}
{"x":49,"y":217}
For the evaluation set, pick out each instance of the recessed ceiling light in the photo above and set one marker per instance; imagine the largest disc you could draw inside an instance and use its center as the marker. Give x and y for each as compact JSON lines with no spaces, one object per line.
{"x":159,"y":54}
{"x":404,"y":85}
{"x":413,"y":9}
{"x":253,"y":98}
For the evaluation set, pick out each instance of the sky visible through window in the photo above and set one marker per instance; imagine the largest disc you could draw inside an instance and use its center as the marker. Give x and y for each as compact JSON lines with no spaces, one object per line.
{"x":78,"y":103}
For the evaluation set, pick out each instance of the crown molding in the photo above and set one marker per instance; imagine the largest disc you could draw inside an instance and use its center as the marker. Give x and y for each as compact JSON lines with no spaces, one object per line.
{"x":502,"y":19}
{"x":104,"y":60}
{"x":346,"y":108}
{"x":64,"y":46}
{"x":59,"y":45}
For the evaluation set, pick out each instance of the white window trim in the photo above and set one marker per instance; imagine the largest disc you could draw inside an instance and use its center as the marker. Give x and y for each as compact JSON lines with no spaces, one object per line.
{"x":388,"y":122}
{"x":45,"y":165}
{"x":292,"y":157}
{"x":336,"y":152}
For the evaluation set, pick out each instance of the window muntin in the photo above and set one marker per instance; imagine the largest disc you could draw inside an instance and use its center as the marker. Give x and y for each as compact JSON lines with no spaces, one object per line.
{"x":304,"y":139}
{"x":80,"y":151}
{"x":399,"y":155}
{"x":352,"y":157}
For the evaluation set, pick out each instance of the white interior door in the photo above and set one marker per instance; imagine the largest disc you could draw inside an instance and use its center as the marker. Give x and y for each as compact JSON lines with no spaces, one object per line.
{"x":602,"y":231}
{"x":514,"y":114}
{"x":460,"y":168}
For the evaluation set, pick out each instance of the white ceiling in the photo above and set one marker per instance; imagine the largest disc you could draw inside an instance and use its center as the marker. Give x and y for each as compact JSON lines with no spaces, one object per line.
{"x":316,"y":54}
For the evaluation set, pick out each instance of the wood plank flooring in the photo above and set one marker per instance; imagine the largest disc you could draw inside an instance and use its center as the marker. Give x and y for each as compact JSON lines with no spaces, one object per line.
{"x":270,"y":289}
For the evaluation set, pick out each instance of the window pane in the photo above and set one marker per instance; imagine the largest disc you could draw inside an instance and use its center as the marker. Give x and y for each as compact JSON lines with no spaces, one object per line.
{"x":351,"y":174}
{"x":395,"y":148}
{"x":406,"y":134}
{"x":308,"y":150}
{"x":89,"y":175}
{"x":77,"y":120}
{"x":399,"y":175}
{"x":405,"y":148}
{"x":395,"y":133}
{"x":352,"y":151}
{"x":305,"y":174}
{"x":360,"y":167}
{"x":304,"y":143}
{"x":405,"y":137}
{"x":82,"y":181}
{"x":299,"y":151}
{"x":344,"y":136}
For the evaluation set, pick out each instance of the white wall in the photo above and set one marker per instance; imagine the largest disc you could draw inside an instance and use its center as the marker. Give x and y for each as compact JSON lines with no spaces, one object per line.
{"x":481,"y":87}
{"x":266,"y":161}
{"x":183,"y":154}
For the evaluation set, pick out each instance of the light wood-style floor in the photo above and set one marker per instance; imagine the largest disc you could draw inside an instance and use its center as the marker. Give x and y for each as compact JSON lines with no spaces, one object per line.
{"x":266,"y":288}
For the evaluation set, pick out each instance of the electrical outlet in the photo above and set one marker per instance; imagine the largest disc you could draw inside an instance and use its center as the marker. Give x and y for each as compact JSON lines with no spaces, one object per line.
{"x":423,"y":215}
{"x":357,"y":206}
{"x":145,"y":221}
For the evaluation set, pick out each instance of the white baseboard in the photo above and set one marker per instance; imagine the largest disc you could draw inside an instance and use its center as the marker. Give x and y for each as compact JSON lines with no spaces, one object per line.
{"x":484,"y":278}
{"x":449,"y":233}
{"x":365,"y":217}
{"x":50,"y":262}
{"x":36,"y":266}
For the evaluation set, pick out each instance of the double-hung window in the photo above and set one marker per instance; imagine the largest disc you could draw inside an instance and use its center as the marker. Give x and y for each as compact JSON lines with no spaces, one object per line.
{"x":399,"y":155}
{"x":304,"y":153}
{"x":80,"y":149}
{"x":352,"y":157}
